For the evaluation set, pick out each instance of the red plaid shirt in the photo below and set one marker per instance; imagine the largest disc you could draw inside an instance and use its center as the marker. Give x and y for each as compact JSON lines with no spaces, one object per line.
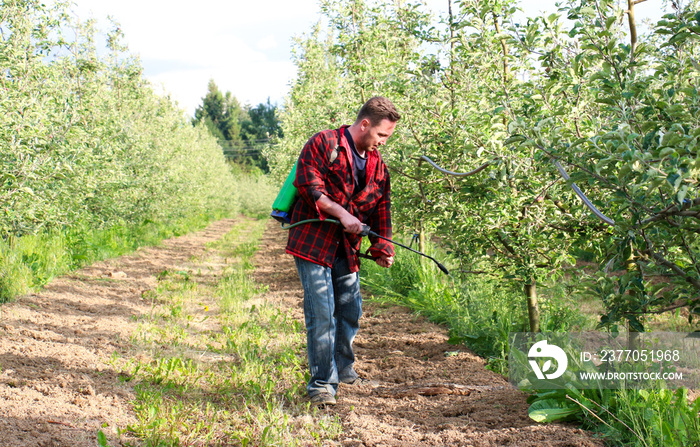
{"x":316,"y":176}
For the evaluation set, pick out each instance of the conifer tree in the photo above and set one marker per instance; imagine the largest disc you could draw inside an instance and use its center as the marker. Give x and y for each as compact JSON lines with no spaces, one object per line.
{"x":221,"y":114}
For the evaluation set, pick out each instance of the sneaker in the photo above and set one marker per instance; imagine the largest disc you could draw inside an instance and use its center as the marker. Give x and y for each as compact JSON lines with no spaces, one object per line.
{"x":322,"y":399}
{"x":355,"y":381}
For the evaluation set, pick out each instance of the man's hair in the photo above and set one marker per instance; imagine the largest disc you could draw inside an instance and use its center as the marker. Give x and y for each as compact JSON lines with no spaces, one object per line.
{"x":377,"y":109}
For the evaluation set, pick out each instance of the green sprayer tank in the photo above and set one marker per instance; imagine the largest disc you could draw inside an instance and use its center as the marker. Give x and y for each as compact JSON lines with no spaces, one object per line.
{"x":282,"y":206}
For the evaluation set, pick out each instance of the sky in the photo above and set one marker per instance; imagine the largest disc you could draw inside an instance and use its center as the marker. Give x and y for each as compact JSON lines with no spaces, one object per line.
{"x":243,"y":45}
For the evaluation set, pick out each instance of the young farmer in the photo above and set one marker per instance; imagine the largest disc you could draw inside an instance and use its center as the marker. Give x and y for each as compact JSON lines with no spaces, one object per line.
{"x":340,"y":175}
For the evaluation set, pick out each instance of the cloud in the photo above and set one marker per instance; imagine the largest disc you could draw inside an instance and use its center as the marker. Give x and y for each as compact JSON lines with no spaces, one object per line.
{"x":234,"y":42}
{"x":250,"y":82}
{"x":267,"y":43}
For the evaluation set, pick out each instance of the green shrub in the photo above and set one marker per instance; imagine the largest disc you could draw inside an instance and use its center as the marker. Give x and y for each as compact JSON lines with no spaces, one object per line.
{"x":640,"y":418}
{"x":259,"y":190}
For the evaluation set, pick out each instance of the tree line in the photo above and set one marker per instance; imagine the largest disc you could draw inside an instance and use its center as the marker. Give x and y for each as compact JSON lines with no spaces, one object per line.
{"x":242,"y":131}
{"x":86,"y":144}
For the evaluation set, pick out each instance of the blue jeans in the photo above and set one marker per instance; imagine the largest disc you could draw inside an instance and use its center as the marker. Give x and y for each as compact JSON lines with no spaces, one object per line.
{"x":332,"y":310}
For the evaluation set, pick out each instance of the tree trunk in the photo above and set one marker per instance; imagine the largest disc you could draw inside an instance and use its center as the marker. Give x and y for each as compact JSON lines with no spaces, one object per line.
{"x":632,"y":335}
{"x":421,"y":237}
{"x":421,"y":242}
{"x":533,"y":309}
{"x":633,"y":28}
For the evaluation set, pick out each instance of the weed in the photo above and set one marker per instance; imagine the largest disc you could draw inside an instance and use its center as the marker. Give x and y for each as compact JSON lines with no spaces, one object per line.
{"x":641,"y":418}
{"x":237,"y":381}
{"x":102,"y":439}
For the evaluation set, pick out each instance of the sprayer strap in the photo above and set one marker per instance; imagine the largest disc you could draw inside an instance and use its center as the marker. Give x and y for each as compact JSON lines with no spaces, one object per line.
{"x":334,"y":152}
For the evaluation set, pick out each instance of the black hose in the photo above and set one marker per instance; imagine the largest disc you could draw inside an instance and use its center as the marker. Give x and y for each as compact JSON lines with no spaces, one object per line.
{"x":440,"y":266}
{"x":290,"y":226}
{"x":367,"y":232}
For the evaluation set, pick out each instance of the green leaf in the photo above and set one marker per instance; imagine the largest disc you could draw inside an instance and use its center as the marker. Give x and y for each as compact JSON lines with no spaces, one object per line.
{"x":608,"y":101}
{"x":636,"y":325}
{"x":514,"y":139}
{"x":673,"y":179}
{"x":609,"y":21}
{"x":682,"y":192}
{"x":589,"y":11}
{"x":101,"y":439}
{"x":625,"y":170}
{"x":679,"y":38}
{"x":665,"y":152}
{"x":550,"y":410}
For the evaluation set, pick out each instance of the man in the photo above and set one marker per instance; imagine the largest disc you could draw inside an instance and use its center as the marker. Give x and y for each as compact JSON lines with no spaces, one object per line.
{"x":340,"y":175}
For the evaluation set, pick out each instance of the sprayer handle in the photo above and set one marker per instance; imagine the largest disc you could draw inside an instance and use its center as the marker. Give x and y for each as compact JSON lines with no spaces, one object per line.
{"x":365,"y":230}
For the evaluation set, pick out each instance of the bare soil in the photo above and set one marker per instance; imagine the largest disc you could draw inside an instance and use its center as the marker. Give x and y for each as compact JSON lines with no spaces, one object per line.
{"x":422,"y":391}
{"x":58,"y":386}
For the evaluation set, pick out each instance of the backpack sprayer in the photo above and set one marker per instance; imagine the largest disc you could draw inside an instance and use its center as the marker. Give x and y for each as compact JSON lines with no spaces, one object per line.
{"x":282,"y":208}
{"x":283,"y":204}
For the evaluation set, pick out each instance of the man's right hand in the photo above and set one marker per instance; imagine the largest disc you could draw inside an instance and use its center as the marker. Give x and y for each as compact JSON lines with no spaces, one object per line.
{"x":351,"y":224}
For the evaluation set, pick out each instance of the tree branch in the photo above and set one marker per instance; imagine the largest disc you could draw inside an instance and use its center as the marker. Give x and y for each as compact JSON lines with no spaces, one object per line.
{"x":673,"y":267}
{"x":675,"y":210}
{"x":506,"y":245}
{"x":633,"y":27}
{"x":678,"y":305}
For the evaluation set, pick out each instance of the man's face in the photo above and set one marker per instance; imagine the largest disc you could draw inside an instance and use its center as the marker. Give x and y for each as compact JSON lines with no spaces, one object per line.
{"x":374,"y":136}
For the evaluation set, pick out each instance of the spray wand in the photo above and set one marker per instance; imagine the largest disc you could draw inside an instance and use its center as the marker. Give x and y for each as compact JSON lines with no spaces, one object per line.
{"x":366,"y":231}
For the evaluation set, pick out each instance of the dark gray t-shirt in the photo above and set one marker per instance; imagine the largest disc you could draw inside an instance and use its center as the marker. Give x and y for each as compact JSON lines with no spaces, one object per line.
{"x":359,"y":164}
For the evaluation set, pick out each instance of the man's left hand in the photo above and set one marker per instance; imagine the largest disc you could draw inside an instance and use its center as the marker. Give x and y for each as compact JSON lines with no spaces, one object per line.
{"x":385,"y":261}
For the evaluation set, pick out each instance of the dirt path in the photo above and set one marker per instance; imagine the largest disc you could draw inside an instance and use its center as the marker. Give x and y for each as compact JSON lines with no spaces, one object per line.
{"x":427,"y":392}
{"x":58,"y":386}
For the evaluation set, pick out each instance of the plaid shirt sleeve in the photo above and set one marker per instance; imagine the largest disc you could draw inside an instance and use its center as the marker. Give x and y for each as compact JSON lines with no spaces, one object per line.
{"x":380,"y":220}
{"x":312,"y":163}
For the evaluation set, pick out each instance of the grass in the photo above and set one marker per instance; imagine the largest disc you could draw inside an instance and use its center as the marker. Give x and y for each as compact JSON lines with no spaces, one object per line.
{"x":223,"y":365}
{"x":481,"y":311}
{"x":31,"y":261}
